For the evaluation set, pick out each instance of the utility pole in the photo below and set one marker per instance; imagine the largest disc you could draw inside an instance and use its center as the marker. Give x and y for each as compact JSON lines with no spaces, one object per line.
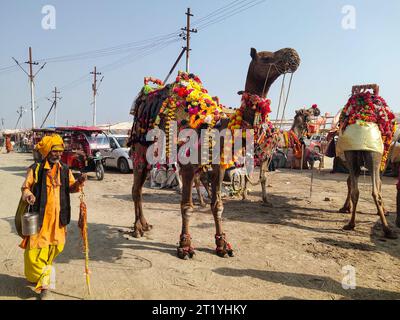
{"x":20,"y":112}
{"x":31,"y":77}
{"x":186,"y":36}
{"x":55,"y":105}
{"x":94,"y":88}
{"x":31,"y":63}
{"x":2,"y":123}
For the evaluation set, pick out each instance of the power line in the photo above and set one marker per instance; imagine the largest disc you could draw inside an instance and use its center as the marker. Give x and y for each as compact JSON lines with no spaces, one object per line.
{"x":154,"y":48}
{"x":215,"y":16}
{"x":145,"y":47}
{"x":93,"y":54}
{"x":210,"y":15}
{"x":230,"y":13}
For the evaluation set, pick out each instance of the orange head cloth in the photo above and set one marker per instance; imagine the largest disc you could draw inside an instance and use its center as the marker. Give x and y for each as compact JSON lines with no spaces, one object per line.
{"x":49,"y":143}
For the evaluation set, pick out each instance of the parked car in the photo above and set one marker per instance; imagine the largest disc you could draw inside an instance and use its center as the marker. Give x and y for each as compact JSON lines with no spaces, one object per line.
{"x":118,"y":155}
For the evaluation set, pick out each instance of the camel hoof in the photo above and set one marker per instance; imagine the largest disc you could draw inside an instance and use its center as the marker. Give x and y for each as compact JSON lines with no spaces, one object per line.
{"x":349,"y":227}
{"x":137,"y":234}
{"x":267,"y":204}
{"x":344,"y":210}
{"x":222,"y":254}
{"x":185,"y":254}
{"x":224,"y":248}
{"x":389,"y":234}
{"x":225,"y":253}
{"x":147,"y":227}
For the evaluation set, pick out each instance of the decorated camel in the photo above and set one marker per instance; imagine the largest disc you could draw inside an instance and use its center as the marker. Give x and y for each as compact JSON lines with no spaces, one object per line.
{"x":366,"y":130}
{"x":188,"y":103}
{"x":267,"y":143}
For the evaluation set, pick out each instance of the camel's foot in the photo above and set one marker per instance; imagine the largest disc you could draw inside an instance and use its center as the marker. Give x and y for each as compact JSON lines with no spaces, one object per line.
{"x":267,"y":203}
{"x":345,"y":210}
{"x":349,"y":226}
{"x":389,"y":233}
{"x":245,"y":195}
{"x":139,"y":229}
{"x":185,"y":251}
{"x":224,"y":248}
{"x":147,"y":227}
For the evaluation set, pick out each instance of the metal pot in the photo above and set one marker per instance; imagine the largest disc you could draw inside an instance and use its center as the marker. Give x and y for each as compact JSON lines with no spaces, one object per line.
{"x":30,"y":223}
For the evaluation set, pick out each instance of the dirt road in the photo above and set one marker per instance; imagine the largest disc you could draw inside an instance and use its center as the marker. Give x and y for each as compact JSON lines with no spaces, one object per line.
{"x":295,"y":250}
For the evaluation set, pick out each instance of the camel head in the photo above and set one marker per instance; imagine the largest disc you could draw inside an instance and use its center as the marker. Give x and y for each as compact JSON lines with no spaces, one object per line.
{"x":302,"y":118}
{"x":266,"y":67}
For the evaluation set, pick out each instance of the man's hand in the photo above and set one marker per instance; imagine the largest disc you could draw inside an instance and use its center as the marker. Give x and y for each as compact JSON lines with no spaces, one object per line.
{"x":82,"y":178}
{"x":31,"y":199}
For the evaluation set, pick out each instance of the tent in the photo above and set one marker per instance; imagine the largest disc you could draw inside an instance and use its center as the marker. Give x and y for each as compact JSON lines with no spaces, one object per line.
{"x":117,"y":128}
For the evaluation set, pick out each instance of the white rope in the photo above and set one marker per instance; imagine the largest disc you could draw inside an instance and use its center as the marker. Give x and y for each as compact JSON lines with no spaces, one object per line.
{"x":280,"y":98}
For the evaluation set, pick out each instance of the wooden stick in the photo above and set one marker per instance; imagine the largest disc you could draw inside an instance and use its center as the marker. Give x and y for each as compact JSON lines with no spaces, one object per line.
{"x":312,"y":178}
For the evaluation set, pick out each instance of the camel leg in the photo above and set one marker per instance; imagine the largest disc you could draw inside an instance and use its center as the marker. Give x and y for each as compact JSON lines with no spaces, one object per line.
{"x":185,"y":250}
{"x":347,"y":204}
{"x":354,"y":168}
{"x":373,"y":161}
{"x":263,"y":180}
{"x":197,"y":185}
{"x":380,"y":191}
{"x":141,"y":224}
{"x":224,"y":248}
{"x":205,"y":183}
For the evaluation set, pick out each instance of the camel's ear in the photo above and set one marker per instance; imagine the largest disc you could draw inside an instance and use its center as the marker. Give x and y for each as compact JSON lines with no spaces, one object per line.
{"x":253,"y":53}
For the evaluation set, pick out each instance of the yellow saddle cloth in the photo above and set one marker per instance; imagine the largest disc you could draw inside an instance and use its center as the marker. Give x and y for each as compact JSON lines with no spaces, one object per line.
{"x":360,"y":136}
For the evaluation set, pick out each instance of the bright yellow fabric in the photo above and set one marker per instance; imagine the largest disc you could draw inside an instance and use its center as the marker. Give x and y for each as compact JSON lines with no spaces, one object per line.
{"x":38,"y":265}
{"x":363,"y":137}
{"x":48,"y":142}
{"x":51,"y":233}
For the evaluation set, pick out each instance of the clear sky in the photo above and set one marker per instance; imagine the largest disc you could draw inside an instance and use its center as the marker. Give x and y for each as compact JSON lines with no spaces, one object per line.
{"x":333,"y":58}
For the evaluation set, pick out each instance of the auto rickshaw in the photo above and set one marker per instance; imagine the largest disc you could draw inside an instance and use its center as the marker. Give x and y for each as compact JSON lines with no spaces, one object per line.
{"x":82,"y":149}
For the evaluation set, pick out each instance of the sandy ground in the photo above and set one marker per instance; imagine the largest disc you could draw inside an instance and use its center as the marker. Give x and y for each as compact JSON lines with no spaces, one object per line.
{"x":295,"y":250}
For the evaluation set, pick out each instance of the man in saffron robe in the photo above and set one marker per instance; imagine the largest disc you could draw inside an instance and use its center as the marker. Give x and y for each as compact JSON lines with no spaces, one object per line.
{"x":46,"y":189}
{"x":9,"y":146}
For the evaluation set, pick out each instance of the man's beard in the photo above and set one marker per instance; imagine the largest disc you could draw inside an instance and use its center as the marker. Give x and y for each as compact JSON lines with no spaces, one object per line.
{"x":54,"y":160}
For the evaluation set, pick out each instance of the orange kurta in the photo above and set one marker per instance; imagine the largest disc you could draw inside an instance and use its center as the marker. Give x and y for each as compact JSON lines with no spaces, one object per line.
{"x":51,"y":233}
{"x":9,"y":146}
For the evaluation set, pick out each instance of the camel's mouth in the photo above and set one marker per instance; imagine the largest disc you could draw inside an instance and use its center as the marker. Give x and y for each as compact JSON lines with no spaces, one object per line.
{"x":288,"y":60}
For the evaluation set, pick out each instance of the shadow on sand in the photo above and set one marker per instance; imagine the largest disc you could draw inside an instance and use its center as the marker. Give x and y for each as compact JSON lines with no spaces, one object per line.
{"x":312,"y":282}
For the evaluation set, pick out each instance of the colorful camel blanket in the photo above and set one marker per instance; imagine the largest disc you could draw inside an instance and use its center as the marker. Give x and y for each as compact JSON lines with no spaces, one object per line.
{"x":188,"y":103}
{"x":366,"y":123}
{"x":185,"y":101}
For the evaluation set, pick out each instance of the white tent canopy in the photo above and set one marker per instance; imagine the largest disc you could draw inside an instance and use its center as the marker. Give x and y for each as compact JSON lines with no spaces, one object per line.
{"x":12,"y":131}
{"x":117,"y":128}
